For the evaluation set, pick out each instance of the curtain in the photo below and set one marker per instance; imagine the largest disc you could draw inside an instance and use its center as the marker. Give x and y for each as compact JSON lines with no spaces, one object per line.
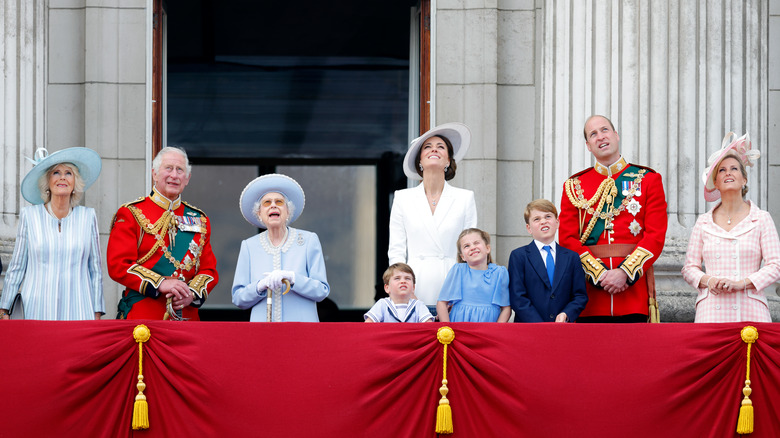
{"x":381,"y":380}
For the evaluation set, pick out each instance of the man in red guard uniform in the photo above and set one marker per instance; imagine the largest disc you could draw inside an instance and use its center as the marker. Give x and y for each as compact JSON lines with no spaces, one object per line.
{"x":160,"y":248}
{"x":614,"y":216}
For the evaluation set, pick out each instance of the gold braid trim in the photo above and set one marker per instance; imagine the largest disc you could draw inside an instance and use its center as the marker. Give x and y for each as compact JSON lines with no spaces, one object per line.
{"x":572,"y":185}
{"x":593,"y":267}
{"x":167,"y":225}
{"x":158,"y":229}
{"x":632,"y":265}
{"x":146,"y":274}
{"x":199,"y":283}
{"x":606,"y":190}
{"x":605,"y":194}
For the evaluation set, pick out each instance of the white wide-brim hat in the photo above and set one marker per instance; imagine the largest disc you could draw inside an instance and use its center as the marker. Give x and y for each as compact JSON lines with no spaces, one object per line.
{"x":739,"y":147}
{"x":457,"y":133}
{"x":86,"y":161}
{"x":271,"y":183}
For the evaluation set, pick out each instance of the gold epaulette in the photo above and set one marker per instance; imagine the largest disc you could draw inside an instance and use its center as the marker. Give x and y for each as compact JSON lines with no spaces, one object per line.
{"x":647,"y":169}
{"x":593,"y":267}
{"x":113,"y":219}
{"x":633,"y":263}
{"x":134,"y":202}
{"x":194,"y":208}
{"x":198,"y":285}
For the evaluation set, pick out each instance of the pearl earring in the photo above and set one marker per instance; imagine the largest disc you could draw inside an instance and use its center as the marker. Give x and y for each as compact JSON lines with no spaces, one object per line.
{"x":446,"y":168}
{"x":420,"y":165}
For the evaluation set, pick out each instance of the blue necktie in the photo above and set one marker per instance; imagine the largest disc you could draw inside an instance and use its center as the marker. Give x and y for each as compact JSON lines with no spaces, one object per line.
{"x":550,"y":263}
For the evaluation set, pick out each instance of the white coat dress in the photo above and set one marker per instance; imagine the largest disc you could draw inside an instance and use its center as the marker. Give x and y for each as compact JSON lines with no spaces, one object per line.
{"x":428,"y":242}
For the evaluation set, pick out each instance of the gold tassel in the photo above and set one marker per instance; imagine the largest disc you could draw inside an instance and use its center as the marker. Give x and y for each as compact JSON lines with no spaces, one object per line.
{"x":655,"y":315}
{"x":141,"y":334}
{"x":444,"y":412}
{"x":745,"y":421}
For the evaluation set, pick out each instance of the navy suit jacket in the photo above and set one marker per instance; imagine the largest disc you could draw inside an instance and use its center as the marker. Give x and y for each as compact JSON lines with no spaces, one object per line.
{"x":533,"y":298}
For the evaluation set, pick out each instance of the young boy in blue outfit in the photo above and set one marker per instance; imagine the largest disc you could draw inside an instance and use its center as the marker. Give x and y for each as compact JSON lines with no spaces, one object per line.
{"x":399,"y":282}
{"x":546,"y":281}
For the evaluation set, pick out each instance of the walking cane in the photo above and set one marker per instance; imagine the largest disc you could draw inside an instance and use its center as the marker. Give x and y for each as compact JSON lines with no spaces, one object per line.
{"x":269,"y":303}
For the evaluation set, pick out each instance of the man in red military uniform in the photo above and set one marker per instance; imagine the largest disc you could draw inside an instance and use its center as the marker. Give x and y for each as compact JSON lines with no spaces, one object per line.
{"x":614,"y":216}
{"x":160,"y":248}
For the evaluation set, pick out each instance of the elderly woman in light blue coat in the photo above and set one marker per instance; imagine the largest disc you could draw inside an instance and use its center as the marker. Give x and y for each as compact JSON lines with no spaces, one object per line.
{"x":279,"y":253}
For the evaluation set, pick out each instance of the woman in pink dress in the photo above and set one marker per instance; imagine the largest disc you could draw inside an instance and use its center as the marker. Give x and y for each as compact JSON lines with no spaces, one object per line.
{"x":733,"y":240}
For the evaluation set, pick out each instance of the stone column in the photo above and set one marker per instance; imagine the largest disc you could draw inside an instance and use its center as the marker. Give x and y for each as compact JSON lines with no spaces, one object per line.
{"x":674,"y":77}
{"x":115,"y":111}
{"x":22,"y":30}
{"x":464,"y":50}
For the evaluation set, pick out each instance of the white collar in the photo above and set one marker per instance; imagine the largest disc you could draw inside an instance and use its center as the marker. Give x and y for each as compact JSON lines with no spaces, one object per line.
{"x":541,"y":245}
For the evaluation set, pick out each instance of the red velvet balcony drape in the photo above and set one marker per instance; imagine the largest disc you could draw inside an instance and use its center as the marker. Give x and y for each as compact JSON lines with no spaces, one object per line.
{"x":381,"y":380}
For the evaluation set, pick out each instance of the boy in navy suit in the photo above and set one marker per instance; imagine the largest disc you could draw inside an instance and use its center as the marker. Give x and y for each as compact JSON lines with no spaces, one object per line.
{"x":546,"y":280}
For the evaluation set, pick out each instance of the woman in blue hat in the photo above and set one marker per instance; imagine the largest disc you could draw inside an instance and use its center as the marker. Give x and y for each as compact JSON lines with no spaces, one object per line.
{"x":280,"y":254}
{"x":56,"y":261}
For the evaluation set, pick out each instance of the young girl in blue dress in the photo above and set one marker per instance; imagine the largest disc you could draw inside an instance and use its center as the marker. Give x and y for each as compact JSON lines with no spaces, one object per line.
{"x":476,"y":289}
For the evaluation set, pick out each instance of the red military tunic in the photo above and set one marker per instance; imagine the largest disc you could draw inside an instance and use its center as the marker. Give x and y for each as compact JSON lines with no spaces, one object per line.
{"x":140,"y":255}
{"x":634,"y":207}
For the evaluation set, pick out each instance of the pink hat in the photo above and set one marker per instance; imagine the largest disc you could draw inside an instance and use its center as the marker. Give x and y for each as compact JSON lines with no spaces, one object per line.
{"x":741,"y":148}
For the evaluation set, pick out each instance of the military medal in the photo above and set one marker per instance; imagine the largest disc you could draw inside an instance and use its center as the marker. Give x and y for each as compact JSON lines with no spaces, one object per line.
{"x":189,"y":224}
{"x":626,"y":185}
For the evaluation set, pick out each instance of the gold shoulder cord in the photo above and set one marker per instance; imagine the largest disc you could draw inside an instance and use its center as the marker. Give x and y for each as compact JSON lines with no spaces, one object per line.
{"x":165,"y":225}
{"x":158,"y":229}
{"x":606,"y":192}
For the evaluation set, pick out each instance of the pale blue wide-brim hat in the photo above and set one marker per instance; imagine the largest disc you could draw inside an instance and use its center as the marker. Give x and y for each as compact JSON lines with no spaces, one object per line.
{"x":457,"y":133}
{"x":271,"y":183}
{"x":86,"y":161}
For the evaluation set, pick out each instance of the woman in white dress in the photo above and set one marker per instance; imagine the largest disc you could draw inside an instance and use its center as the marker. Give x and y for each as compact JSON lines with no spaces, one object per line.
{"x":425,"y":221}
{"x":56,"y":261}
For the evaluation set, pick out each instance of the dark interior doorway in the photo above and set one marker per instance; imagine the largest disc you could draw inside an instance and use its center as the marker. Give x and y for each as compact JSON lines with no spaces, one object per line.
{"x":317,"y":90}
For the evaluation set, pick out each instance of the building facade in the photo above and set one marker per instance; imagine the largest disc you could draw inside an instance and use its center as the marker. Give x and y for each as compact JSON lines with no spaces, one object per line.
{"x":673,"y":76}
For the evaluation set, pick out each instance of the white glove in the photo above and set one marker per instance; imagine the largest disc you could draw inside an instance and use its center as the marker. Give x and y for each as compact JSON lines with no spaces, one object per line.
{"x":289,"y":275}
{"x":263,"y":285}
{"x":275,"y":279}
